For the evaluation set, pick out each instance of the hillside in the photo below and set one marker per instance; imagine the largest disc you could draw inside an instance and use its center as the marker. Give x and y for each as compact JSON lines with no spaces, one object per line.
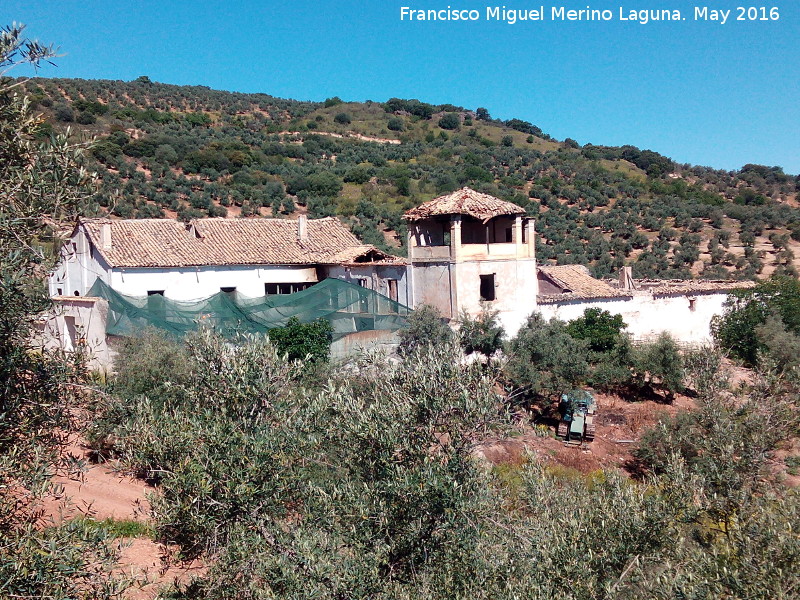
{"x":189,"y":151}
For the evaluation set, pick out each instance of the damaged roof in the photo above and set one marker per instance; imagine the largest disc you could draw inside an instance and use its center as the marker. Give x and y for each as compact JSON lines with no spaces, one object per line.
{"x":465,"y":201}
{"x":566,"y":282}
{"x":220,"y":241}
{"x":681,"y":286}
{"x":575,"y":281}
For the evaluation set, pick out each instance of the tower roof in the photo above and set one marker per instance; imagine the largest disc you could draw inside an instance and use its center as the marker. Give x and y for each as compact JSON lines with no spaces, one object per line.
{"x":465,"y":201}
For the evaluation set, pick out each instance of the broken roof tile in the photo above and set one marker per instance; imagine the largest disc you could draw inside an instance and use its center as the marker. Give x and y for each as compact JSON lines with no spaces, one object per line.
{"x":465,"y":201}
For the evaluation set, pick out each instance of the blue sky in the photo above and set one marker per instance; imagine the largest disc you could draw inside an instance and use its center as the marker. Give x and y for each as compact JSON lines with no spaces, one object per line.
{"x":704,"y":93}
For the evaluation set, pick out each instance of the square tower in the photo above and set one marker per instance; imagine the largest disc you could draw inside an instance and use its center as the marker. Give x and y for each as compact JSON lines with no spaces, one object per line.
{"x":469,"y":251}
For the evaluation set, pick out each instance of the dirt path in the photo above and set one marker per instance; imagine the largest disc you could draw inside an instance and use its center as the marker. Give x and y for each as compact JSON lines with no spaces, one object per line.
{"x":619,"y":425}
{"x":103,"y":493}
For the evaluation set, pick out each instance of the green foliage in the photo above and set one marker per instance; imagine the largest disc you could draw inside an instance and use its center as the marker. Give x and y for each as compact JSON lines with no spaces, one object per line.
{"x":426,"y":327}
{"x":599,"y":327}
{"x":544,"y":359}
{"x":119,"y":528}
{"x":736,"y":331}
{"x":147,"y":362}
{"x":450,"y":121}
{"x":395,"y":124}
{"x":658,"y":365}
{"x":304,"y":341}
{"x":41,"y":185}
{"x":483,"y":334}
{"x":368,"y":486}
{"x":342,"y":118}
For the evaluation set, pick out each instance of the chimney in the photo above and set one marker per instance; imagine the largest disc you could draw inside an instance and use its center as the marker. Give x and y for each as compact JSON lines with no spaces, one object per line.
{"x":302,"y":229}
{"x":626,"y":278}
{"x":105,"y":236}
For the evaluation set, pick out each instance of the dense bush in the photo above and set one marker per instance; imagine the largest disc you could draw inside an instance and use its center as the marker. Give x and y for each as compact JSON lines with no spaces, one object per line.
{"x":599,"y":327}
{"x":369,"y":487}
{"x":426,"y":327}
{"x":43,"y":390}
{"x":544,"y":359}
{"x":483,"y":334}
{"x":304,"y":341}
{"x":736,"y":331}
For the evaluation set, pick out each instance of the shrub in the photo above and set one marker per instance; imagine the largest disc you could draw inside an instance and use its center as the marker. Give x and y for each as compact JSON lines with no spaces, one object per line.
{"x":64,"y":113}
{"x":426,"y":327}
{"x":450,"y":121}
{"x":483,"y":334}
{"x":395,"y":124}
{"x":342,"y":118}
{"x":658,"y":365}
{"x":544,"y":359}
{"x":304,"y":341}
{"x":746,"y":310}
{"x":599,"y":327}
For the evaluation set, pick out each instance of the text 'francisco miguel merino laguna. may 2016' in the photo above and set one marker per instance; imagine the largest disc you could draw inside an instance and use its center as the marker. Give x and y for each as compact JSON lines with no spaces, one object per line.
{"x":503,"y":14}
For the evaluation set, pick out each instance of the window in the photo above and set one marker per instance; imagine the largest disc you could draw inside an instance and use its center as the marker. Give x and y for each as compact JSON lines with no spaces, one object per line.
{"x":227,"y":290}
{"x":392,"y":283}
{"x":155,"y":292}
{"x":70,"y":333}
{"x":363,"y":282}
{"x":487,"y":287}
{"x":273,"y":289}
{"x":509,"y":235}
{"x":60,"y":291}
{"x":692,"y":304}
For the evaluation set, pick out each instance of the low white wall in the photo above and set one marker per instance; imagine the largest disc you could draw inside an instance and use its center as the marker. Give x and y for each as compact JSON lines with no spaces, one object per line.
{"x":647,"y":315}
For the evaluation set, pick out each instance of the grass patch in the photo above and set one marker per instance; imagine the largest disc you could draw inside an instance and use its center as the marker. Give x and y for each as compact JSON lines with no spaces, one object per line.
{"x":120,"y":528}
{"x":792,"y":465}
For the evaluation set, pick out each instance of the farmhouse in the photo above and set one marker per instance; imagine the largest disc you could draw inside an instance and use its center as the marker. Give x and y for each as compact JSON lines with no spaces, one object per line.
{"x":467,"y":252}
{"x":254,"y":257}
{"x":238,"y":275}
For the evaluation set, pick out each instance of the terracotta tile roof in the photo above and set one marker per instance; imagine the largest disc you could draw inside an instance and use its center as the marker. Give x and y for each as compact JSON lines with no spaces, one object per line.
{"x":168,"y":243}
{"x":465,"y":201}
{"x":576,"y":282}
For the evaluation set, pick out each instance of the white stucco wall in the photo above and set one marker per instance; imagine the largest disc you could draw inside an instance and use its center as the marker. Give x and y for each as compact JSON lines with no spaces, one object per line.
{"x":193,"y":283}
{"x":78,"y":324}
{"x":79,"y":267}
{"x":516,"y":286}
{"x":647,"y":315}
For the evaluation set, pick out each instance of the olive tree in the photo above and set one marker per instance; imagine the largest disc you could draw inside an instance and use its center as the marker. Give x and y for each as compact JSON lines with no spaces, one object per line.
{"x":40,"y":188}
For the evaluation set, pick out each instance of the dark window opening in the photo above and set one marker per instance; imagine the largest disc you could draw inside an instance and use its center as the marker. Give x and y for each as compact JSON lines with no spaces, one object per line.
{"x":77,"y":293}
{"x":509,"y":235}
{"x":227,"y":290}
{"x":155,"y":292}
{"x":392,"y":289}
{"x":487,"y":287}
{"x":60,"y":291}
{"x":692,"y":304}
{"x":363,"y":282}
{"x":273,"y":289}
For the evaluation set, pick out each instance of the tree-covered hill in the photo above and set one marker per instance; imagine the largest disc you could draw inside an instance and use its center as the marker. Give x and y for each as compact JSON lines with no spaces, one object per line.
{"x":189,"y":151}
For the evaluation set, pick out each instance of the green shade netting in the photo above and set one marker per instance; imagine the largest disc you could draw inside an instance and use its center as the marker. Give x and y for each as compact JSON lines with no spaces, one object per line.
{"x":349,"y":308}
